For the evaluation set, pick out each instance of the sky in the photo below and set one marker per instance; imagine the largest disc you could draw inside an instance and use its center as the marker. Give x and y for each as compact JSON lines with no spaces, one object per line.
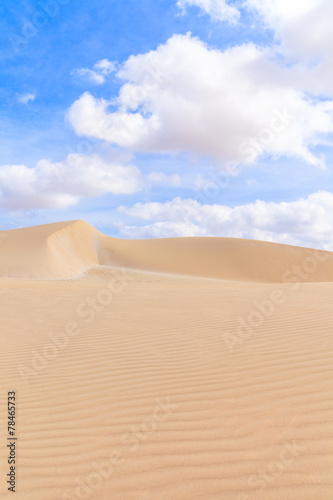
{"x":155,"y":118}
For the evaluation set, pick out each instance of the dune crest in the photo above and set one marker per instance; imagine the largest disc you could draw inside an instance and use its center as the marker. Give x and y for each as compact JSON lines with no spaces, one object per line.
{"x":69,"y":249}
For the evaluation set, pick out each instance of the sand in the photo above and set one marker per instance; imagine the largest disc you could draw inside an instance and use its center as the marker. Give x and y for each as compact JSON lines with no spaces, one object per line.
{"x":186,"y":368}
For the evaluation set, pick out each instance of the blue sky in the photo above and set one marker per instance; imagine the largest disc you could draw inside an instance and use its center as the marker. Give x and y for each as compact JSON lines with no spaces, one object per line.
{"x":182,"y":86}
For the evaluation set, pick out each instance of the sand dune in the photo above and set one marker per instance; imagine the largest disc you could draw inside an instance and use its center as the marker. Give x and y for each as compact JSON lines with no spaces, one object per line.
{"x":140,"y":379}
{"x":69,"y":249}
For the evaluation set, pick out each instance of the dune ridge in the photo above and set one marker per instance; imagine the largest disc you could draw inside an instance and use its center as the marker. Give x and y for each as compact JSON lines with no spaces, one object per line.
{"x":69,"y":249}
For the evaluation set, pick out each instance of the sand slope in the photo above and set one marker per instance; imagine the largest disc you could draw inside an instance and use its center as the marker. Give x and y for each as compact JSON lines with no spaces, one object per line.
{"x":68,"y":249}
{"x":172,"y":386}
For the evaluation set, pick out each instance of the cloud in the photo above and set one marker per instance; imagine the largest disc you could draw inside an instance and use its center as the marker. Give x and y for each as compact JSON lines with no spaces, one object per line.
{"x":101,"y":70}
{"x":161,"y":179}
{"x":63,"y":184}
{"x":59,"y":185}
{"x":233,"y":105}
{"x":305,"y":222}
{"x":303,"y":32}
{"x":302,"y":26}
{"x":26,"y":98}
{"x":219,"y":10}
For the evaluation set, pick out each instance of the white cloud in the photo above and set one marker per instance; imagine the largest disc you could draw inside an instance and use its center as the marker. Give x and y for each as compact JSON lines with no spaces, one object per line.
{"x":59,"y":185}
{"x":26,"y":98}
{"x":302,"y":26}
{"x":105,"y":67}
{"x":89,"y":117}
{"x":185,"y":97}
{"x":101,"y":70}
{"x":304,"y":35}
{"x":63,"y":184}
{"x":305,"y":222}
{"x":219,"y":10}
{"x":161,"y":179}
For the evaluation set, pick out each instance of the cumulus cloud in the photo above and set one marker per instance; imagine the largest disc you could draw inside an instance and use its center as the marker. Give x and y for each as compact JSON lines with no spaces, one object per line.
{"x":63,"y":184}
{"x":304,"y":35}
{"x":305,"y":222}
{"x":101,"y":70}
{"x":302,"y":26}
{"x":26,"y":98}
{"x":219,"y":10}
{"x":234,"y":105}
{"x":59,"y":185}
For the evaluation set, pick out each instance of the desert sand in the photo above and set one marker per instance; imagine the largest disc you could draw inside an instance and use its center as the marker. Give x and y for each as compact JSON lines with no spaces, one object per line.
{"x":172,"y":369}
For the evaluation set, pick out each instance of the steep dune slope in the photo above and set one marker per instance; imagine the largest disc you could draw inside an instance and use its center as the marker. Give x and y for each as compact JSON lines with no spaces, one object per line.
{"x":68,"y":249}
{"x":60,"y":250}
